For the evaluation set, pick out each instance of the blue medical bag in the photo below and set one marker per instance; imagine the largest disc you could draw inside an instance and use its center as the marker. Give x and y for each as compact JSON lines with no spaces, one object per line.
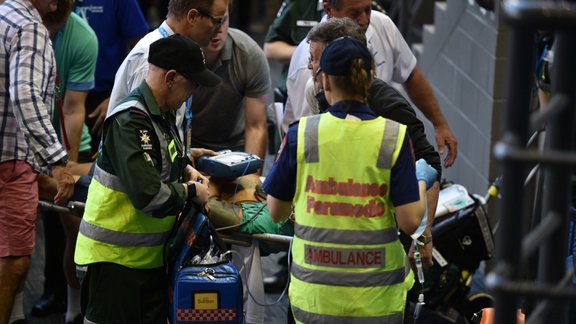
{"x":208,"y":293}
{"x":202,"y":292}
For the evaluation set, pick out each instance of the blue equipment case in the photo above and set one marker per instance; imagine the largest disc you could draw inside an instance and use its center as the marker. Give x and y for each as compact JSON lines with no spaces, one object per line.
{"x":208,"y":293}
{"x":202,"y":293}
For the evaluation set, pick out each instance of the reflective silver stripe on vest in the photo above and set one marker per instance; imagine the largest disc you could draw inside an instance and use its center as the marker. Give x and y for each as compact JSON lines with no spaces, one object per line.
{"x":311,"y":139}
{"x":349,"y":279}
{"x":159,"y":199}
{"x":388,"y":144}
{"x":343,"y":236}
{"x":107,"y":236}
{"x":166,"y":160}
{"x":111,"y":181}
{"x":307,"y":317}
{"x":125,"y":106}
{"x":107,"y":179}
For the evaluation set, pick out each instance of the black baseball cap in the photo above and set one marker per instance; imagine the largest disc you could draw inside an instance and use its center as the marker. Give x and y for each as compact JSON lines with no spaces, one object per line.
{"x":180,"y":53}
{"x":338,"y":55}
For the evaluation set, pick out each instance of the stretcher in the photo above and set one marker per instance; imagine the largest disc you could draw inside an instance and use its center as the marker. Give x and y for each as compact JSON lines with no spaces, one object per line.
{"x":275,"y":242}
{"x":247,"y":248}
{"x":253,"y":235}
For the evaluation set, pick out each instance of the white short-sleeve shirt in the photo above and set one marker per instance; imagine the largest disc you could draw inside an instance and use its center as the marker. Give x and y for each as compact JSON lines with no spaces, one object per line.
{"x":393,"y":58}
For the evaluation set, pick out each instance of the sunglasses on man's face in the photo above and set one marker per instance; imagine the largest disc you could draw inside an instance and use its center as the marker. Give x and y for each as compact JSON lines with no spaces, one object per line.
{"x":216,"y":21}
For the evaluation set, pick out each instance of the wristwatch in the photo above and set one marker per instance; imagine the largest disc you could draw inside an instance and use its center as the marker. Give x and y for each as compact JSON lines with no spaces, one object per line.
{"x":62,"y":162}
{"x":191,"y":191}
{"x":423,"y":239}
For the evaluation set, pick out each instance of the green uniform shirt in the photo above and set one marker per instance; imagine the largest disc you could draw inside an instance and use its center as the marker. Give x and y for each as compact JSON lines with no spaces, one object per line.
{"x":134,"y":196}
{"x":294,"y":20}
{"x":131,"y":151}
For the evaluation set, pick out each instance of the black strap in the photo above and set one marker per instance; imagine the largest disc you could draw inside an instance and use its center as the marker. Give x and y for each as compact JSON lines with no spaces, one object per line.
{"x":179,"y":220}
{"x":212,"y":232}
{"x":220,"y":244}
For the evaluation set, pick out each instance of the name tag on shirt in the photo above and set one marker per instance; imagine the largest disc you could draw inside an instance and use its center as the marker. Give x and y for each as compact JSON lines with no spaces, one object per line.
{"x":306,"y":23}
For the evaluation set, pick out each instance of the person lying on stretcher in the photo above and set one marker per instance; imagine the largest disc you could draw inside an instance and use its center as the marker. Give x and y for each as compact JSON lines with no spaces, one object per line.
{"x":240,"y":205}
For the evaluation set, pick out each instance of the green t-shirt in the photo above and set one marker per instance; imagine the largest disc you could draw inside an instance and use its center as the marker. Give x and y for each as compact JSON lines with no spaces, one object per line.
{"x":294,"y":20}
{"x":76,"y":50}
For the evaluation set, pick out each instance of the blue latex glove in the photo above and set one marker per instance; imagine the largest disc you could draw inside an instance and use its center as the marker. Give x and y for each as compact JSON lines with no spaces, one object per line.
{"x":425,"y":172}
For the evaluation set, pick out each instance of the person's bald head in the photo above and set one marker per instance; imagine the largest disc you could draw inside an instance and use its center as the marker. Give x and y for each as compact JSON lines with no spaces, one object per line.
{"x":357,"y":10}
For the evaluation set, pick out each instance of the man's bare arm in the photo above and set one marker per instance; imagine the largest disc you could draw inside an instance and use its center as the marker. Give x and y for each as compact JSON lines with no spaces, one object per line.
{"x":279,"y":209}
{"x":422,"y":96}
{"x":256,"y":132}
{"x":74,"y":110}
{"x":279,"y":50}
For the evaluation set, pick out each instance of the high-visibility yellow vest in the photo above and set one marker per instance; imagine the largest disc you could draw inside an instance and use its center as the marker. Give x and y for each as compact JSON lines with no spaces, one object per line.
{"x":348,"y":264}
{"x":112,"y":230}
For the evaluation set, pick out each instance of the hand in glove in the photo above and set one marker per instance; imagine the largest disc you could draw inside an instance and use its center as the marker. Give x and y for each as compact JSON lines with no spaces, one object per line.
{"x":426,"y":173}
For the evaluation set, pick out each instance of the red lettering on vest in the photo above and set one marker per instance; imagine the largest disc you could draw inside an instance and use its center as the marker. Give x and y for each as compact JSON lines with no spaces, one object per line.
{"x":345,"y":188}
{"x":374,"y":208}
{"x":309,"y":204}
{"x":358,"y":211}
{"x":310,"y":257}
{"x":383,"y":190}
{"x":374,"y":190}
{"x":310,"y":184}
{"x":357,"y":258}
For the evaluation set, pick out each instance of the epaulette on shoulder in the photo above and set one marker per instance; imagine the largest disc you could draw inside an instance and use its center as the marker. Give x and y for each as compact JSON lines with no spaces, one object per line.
{"x":138,"y":111}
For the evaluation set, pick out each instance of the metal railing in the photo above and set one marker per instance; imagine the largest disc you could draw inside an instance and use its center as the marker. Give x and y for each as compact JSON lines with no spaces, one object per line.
{"x":278,"y":242}
{"x":548,"y":239}
{"x":73,"y":207}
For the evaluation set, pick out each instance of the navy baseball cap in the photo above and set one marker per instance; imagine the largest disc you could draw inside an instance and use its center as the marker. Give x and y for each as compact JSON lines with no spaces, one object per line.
{"x":180,"y":53}
{"x":337,"y":57}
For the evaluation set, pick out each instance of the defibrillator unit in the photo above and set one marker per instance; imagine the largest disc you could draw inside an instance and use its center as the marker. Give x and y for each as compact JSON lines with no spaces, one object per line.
{"x":228,"y":164}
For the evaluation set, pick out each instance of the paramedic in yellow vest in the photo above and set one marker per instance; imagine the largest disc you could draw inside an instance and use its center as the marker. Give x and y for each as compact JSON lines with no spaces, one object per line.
{"x":142,"y":180}
{"x":353,"y":181}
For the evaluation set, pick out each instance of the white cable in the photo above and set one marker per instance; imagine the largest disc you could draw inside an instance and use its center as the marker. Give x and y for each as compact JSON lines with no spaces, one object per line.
{"x":423,"y":223}
{"x":241,"y":257}
{"x":264,"y":304}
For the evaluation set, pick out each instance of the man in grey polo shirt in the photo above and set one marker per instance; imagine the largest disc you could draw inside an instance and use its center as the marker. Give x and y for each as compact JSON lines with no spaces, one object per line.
{"x":233,"y":114}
